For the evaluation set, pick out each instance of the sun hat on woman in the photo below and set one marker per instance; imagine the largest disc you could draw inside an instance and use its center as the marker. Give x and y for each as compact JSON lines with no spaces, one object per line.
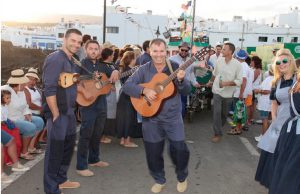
{"x":17,"y":77}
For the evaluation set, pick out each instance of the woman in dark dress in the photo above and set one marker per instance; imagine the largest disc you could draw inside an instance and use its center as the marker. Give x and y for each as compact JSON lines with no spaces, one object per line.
{"x":284,"y":77}
{"x":126,"y":114}
{"x":286,"y":177}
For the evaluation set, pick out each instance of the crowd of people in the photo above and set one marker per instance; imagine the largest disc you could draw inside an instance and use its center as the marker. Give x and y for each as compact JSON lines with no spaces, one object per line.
{"x":31,"y":116}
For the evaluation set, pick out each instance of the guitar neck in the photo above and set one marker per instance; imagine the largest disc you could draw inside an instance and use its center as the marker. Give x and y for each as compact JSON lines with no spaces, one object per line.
{"x":128,"y":73}
{"x":198,"y":56}
{"x":182,"y":67}
{"x":86,"y":77}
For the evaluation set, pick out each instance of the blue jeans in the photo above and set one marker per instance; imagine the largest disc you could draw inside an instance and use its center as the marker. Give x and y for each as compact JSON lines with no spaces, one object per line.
{"x":5,"y":137}
{"x":30,"y":129}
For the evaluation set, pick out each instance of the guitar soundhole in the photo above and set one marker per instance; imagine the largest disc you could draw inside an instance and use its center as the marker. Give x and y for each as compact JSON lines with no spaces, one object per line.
{"x":98,"y":85}
{"x":159,"y":88}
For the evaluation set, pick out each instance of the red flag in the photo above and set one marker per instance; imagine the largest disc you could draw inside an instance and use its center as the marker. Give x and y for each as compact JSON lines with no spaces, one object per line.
{"x":184,"y":7}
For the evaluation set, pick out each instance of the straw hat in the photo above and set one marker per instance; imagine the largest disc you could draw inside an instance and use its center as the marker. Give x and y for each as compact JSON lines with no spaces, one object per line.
{"x":17,"y":77}
{"x":32,"y":72}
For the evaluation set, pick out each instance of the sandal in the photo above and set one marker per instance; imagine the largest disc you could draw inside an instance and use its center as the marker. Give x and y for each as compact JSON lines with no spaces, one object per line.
{"x":35,"y":151}
{"x":130,"y":145}
{"x":27,"y":156}
{"x":234,"y":131}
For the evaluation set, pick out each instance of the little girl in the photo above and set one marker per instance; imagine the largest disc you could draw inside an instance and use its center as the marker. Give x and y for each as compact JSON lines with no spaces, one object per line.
{"x":7,"y":140}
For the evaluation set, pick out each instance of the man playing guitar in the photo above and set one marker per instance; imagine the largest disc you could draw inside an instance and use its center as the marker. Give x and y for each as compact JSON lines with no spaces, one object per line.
{"x":167,"y":123}
{"x":93,"y":117}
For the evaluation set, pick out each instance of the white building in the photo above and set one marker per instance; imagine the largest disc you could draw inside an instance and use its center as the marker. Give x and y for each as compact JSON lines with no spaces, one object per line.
{"x":126,"y":28}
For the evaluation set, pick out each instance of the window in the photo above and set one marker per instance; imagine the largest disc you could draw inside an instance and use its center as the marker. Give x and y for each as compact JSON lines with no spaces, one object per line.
{"x":294,"y":39}
{"x":61,"y":35}
{"x":263,"y":39}
{"x":225,"y":39}
{"x":114,"y":30}
{"x":279,"y":39}
{"x":94,"y":37}
{"x":26,"y":40}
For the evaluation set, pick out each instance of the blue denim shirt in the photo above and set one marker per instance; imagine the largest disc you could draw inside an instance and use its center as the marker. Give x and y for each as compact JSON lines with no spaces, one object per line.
{"x":171,"y":107}
{"x":56,"y":63}
{"x":143,"y":59}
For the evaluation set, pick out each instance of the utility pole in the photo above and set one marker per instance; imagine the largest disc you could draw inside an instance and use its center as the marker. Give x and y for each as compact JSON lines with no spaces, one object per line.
{"x":192,"y":38}
{"x":104,"y":21}
{"x":242,"y":39}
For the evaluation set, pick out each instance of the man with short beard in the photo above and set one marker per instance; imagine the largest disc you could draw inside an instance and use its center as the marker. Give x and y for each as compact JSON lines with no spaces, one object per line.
{"x":93,"y":117}
{"x":59,"y":111}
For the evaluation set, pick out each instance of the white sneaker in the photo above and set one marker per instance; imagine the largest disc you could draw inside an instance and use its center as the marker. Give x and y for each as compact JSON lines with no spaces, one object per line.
{"x":18,"y":167}
{"x":257,"y":138}
{"x":5,"y":179}
{"x":259,"y":122}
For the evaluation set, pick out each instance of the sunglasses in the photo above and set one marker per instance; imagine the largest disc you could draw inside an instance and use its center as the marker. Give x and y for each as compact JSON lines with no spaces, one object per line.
{"x":184,"y":50}
{"x":284,"y":61}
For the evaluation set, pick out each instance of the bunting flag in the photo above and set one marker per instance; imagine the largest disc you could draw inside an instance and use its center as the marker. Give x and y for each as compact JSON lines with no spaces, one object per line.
{"x":185,"y":20}
{"x":113,"y":1}
{"x":186,"y":6}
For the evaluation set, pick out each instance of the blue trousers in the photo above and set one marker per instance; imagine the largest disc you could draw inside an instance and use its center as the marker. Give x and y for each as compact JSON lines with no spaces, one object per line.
{"x":183,"y":105}
{"x":89,"y":142}
{"x":154,"y":134}
{"x":60,"y":147}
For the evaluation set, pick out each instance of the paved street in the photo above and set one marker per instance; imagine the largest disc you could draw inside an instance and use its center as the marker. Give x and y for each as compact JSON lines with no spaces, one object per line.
{"x":224,"y":168}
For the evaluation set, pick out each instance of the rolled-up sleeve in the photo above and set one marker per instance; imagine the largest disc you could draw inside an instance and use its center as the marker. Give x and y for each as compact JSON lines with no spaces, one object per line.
{"x":239,"y":76}
{"x":52,"y":69}
{"x":131,"y":86}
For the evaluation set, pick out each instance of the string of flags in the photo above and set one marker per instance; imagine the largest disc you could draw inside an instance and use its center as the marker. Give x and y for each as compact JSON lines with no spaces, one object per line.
{"x":186,"y":6}
{"x":185,"y":22}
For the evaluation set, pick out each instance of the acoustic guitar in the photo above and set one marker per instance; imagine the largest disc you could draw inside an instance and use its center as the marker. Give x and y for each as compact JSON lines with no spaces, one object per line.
{"x":164,"y":87}
{"x":89,"y":90}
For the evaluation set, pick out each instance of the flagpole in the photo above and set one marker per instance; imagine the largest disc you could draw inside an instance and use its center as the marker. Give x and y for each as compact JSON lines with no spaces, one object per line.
{"x":104,"y":21}
{"x":192,"y":38}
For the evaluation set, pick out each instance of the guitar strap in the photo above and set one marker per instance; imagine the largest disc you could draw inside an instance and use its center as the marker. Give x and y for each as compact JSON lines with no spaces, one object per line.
{"x":78,"y":63}
{"x":169,"y":66}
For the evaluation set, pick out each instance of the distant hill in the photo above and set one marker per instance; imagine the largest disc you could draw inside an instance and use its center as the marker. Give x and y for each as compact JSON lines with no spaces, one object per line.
{"x":50,"y":20}
{"x":15,"y":57}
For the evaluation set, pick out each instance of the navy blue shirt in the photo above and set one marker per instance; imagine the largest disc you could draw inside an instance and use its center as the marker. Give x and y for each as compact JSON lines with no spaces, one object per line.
{"x":56,"y":63}
{"x":171,"y":107}
{"x":143,"y":59}
{"x":99,"y":107}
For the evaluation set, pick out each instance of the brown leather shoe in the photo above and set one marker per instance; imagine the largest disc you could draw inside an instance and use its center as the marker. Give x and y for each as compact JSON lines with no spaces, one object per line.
{"x":69,"y":185}
{"x":85,"y":172}
{"x":216,"y":139}
{"x":100,"y":164}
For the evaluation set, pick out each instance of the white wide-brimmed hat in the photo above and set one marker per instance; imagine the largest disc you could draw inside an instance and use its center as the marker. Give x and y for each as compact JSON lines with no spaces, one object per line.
{"x":17,"y":77}
{"x":32,"y":72}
